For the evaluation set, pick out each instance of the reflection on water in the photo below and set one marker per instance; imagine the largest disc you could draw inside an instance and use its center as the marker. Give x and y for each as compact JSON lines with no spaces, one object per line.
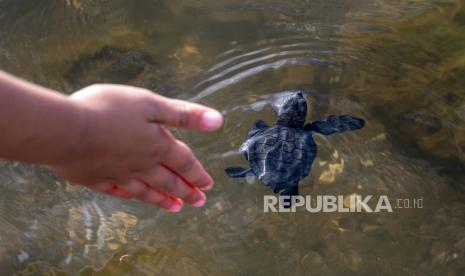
{"x":397,"y":64}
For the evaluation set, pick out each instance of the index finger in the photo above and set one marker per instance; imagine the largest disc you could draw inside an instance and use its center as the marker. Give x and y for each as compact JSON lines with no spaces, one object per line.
{"x":183,"y":114}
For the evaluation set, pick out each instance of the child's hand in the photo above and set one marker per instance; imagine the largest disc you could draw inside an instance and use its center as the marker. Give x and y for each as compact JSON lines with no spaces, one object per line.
{"x":124,"y":149}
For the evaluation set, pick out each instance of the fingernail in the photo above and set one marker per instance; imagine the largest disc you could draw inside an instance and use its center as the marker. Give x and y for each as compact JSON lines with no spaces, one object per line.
{"x":212,"y":119}
{"x":200,"y":202}
{"x":176,"y":207}
{"x":208,"y":187}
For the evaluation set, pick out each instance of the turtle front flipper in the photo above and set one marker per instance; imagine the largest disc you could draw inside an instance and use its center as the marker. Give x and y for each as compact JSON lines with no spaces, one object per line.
{"x":257,"y":127}
{"x":236,"y":172}
{"x":335,"y":124}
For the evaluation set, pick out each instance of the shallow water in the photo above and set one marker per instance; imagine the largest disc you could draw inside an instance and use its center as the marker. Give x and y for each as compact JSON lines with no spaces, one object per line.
{"x":397,"y":64}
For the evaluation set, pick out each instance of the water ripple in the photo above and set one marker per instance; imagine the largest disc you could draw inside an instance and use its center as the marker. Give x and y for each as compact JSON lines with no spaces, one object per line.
{"x":258,"y":69}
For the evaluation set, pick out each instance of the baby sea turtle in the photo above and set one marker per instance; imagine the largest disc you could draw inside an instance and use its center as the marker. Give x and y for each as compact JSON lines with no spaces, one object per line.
{"x":282,"y":154}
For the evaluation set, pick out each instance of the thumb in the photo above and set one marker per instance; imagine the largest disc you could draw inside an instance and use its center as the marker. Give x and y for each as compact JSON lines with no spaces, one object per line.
{"x":183,"y":114}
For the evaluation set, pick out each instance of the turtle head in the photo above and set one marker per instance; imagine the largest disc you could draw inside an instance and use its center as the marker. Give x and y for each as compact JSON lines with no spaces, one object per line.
{"x":292,"y":110}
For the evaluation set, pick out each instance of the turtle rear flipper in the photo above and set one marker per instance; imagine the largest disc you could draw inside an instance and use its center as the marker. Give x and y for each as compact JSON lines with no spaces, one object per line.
{"x":335,"y":124}
{"x":236,"y":172}
{"x":291,"y":191}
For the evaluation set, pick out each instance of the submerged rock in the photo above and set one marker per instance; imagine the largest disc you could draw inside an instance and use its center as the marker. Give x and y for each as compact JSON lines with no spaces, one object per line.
{"x":420,"y":89}
{"x":115,"y":65}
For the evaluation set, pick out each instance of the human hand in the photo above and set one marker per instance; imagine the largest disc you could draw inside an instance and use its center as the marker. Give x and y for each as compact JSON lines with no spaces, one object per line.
{"x":124,"y":149}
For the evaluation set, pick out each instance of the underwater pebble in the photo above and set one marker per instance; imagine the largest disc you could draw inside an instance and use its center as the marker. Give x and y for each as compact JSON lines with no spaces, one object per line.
{"x":22,"y":256}
{"x":250,"y":178}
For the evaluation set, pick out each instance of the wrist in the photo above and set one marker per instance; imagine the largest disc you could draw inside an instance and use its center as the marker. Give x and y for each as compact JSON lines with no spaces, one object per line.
{"x":76,"y":140}
{"x":42,"y":126}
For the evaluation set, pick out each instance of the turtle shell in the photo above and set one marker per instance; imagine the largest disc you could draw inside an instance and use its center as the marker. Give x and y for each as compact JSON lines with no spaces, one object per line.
{"x":281,"y":156}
